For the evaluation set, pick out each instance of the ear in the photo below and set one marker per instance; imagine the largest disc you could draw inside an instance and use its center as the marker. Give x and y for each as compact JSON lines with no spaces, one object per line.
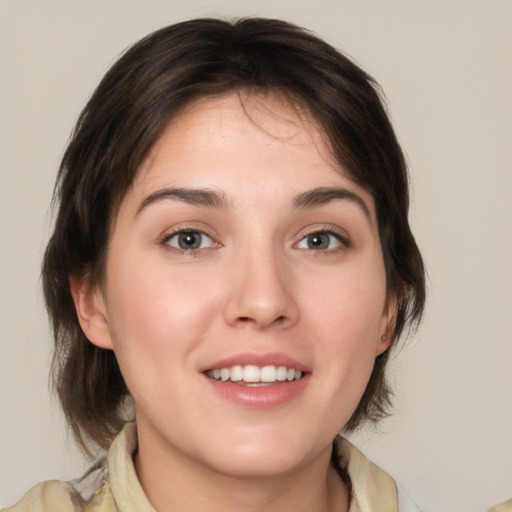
{"x":388,"y":322}
{"x":91,"y":311}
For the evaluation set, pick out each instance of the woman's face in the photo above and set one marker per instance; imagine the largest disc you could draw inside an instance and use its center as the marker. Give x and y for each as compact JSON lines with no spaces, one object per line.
{"x":241,"y":252}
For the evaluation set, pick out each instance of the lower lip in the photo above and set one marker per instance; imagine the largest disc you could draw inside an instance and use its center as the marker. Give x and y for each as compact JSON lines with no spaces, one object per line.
{"x":259,"y":397}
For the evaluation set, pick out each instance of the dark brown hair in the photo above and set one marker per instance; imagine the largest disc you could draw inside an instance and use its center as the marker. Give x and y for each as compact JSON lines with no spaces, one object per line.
{"x":149,"y":85}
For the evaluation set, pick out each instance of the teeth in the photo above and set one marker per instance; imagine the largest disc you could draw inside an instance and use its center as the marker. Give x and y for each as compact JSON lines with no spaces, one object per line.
{"x":268,"y":374}
{"x":281,"y":373}
{"x":237,"y":373}
{"x":253,"y":374}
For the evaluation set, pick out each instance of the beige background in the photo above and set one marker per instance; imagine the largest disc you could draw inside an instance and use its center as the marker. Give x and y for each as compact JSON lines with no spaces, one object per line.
{"x":446,"y":69}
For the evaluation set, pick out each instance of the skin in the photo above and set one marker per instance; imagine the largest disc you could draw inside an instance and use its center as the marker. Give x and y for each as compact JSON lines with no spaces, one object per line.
{"x":257,"y":285}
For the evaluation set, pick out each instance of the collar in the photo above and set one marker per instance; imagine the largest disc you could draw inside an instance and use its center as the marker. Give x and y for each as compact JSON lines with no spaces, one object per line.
{"x":372,"y":488}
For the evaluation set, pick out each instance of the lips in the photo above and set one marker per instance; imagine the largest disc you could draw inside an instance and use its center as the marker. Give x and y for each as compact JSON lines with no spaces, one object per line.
{"x":257,"y":380}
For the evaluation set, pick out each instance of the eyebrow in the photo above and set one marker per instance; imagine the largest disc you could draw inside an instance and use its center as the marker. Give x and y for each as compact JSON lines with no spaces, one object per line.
{"x":213,"y":199}
{"x":324,"y":195}
{"x":194,"y":196}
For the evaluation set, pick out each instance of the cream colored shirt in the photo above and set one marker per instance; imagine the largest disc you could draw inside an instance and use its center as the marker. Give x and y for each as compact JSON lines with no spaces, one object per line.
{"x":114,"y":486}
{"x":503,"y":507}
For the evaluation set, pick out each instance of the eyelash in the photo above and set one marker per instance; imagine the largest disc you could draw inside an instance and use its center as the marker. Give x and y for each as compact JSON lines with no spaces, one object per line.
{"x":344,"y":242}
{"x":190,"y":251}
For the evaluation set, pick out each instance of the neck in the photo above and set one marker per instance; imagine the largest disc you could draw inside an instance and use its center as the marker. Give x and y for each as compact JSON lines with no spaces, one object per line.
{"x":175,"y":482}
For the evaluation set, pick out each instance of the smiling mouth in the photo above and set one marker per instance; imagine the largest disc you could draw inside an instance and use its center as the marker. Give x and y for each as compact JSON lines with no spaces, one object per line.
{"x":251,"y":375}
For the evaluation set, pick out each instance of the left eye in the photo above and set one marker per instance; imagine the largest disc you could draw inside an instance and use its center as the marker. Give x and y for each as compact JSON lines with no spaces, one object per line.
{"x":189,"y":240}
{"x":320,"y":241}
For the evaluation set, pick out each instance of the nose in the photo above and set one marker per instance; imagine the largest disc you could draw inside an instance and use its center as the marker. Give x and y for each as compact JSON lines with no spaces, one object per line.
{"x":261,"y":292}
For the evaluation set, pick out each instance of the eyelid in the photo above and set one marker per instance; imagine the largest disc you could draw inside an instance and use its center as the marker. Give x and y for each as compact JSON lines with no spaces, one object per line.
{"x":188,"y":227}
{"x":177,"y":235}
{"x":338,"y":233}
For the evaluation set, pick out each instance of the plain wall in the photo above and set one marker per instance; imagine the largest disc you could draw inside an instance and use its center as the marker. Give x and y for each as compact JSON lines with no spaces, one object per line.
{"x":446,"y":70}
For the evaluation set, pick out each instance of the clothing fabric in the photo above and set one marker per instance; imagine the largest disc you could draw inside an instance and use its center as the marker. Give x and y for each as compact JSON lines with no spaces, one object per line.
{"x":502,"y":507}
{"x":112,"y":485}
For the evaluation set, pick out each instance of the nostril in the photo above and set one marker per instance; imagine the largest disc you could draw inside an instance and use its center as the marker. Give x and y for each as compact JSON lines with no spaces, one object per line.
{"x":248,"y":319}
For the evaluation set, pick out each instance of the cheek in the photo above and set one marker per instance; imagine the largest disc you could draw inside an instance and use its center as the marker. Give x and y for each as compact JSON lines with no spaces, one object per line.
{"x":351,"y":305}
{"x":158,"y":322}
{"x":348,"y":315}
{"x":156,"y":314}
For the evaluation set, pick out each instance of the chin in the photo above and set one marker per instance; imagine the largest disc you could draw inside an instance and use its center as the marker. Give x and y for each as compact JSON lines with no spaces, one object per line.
{"x":262,"y":455}
{"x":262,"y":465}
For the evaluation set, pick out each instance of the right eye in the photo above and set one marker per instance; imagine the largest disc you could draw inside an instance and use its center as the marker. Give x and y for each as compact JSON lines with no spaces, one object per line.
{"x":189,"y":240}
{"x":320,"y":241}
{"x":323,"y":240}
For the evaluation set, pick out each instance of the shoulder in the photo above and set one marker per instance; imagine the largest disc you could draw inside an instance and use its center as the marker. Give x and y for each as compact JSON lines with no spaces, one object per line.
{"x":502,"y":507}
{"x":90,"y":493}
{"x":405,"y":502}
{"x":372,"y":488}
{"x":110,"y":485}
{"x":53,"y":495}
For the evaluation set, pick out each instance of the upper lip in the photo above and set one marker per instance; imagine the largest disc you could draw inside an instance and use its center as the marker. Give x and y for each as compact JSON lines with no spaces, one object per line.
{"x":256,"y":359}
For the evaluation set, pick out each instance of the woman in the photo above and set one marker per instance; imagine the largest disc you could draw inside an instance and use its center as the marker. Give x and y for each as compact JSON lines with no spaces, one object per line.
{"x":232,"y":258}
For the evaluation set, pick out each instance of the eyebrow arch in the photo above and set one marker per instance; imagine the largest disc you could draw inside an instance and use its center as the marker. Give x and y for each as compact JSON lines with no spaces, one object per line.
{"x":194,"y":196}
{"x":324,"y":195}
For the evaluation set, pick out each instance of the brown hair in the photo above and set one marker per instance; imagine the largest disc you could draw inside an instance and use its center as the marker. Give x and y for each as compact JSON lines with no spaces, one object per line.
{"x":149,"y":85}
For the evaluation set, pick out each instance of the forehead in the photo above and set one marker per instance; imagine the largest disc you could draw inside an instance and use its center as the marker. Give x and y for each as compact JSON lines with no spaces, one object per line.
{"x":261,"y":151}
{"x":247,"y":127}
